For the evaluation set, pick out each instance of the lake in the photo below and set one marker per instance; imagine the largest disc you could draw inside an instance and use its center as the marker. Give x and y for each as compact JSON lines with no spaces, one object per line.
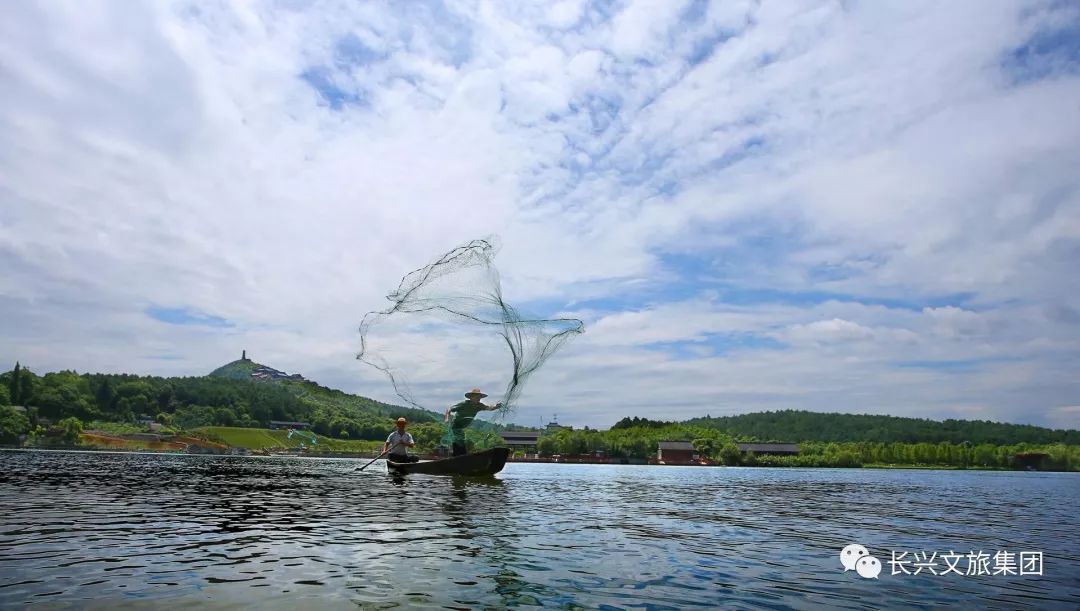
{"x":82,"y":528}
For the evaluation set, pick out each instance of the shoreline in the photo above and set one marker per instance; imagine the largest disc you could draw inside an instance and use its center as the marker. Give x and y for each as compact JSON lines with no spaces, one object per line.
{"x":351,"y":456}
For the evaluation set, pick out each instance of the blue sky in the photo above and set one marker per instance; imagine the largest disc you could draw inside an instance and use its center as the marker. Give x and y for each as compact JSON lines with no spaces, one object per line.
{"x":866,"y":207}
{"x":184,"y":316}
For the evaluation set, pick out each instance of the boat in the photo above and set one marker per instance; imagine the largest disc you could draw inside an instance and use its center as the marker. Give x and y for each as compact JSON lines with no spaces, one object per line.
{"x":486,"y":462}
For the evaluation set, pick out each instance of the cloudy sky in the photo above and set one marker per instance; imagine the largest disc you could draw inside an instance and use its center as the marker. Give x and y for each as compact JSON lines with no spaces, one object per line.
{"x":864,"y":207}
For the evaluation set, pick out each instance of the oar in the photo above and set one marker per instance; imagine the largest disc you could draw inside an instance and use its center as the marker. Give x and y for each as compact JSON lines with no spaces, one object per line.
{"x":379,"y":456}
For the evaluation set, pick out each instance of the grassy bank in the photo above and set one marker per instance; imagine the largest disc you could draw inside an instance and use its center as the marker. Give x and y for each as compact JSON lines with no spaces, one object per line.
{"x":258,"y":439}
{"x":105,"y":442}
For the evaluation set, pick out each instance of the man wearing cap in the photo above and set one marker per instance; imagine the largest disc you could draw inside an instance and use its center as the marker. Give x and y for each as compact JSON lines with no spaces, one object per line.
{"x":398,"y":443}
{"x":464,"y":413}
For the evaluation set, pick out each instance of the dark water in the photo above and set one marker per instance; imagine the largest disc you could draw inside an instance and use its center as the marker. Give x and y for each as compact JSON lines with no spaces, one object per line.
{"x":107,"y":530}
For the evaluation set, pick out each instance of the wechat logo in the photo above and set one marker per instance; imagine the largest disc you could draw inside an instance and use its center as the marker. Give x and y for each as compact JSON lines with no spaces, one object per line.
{"x":857,"y":558}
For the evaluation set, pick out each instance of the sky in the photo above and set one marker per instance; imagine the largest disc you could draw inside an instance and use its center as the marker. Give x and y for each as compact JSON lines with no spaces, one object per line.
{"x":864,"y":207}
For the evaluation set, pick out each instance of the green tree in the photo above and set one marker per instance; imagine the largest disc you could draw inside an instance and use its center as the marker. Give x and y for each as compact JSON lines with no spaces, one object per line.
{"x":340,"y":425}
{"x":984,"y":455}
{"x":846,"y":458}
{"x":481,"y":440}
{"x":105,"y":395}
{"x":13,"y":423}
{"x":135,"y":398}
{"x":729,"y":454}
{"x":70,"y":429}
{"x":638,"y":447}
{"x":427,"y":435}
{"x":27,"y":385}
{"x":63,"y":394}
{"x":164,"y":397}
{"x":37,"y":433}
{"x":5,"y":395}
{"x":801,"y":426}
{"x":15,"y":384}
{"x":704,"y":447}
{"x":129,"y":408}
{"x":224,"y":416}
{"x":193,"y":416}
{"x":546,"y":445}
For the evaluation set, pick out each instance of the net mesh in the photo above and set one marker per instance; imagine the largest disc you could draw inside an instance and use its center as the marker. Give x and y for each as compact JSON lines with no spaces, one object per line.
{"x":446,"y":319}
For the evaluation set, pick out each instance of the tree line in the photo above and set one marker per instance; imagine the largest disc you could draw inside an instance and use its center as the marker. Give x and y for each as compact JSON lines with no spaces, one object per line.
{"x":641,"y":442}
{"x":232,"y":398}
{"x":798,"y":425}
{"x":185,"y":403}
{"x":66,"y":400}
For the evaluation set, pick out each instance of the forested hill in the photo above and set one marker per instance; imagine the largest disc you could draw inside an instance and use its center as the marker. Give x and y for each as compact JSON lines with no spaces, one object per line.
{"x":329,"y":403}
{"x":334,"y":401}
{"x":243,"y":393}
{"x":796,"y":426}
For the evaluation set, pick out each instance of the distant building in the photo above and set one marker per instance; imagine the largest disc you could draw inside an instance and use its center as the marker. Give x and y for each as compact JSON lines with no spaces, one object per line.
{"x":281,"y":424}
{"x":675,"y":452}
{"x":1031,"y":461}
{"x":524,"y":441}
{"x":269,"y":373}
{"x":554,"y":427}
{"x":778,"y":449}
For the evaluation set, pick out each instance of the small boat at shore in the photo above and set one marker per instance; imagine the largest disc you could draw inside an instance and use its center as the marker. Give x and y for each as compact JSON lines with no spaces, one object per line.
{"x":487,"y":462}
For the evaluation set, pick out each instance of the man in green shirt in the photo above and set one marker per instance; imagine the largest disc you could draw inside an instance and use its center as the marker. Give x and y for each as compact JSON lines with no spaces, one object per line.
{"x":464,"y":413}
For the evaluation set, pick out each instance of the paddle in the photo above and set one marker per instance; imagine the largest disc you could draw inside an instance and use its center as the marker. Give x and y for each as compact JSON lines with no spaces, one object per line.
{"x":379,"y":456}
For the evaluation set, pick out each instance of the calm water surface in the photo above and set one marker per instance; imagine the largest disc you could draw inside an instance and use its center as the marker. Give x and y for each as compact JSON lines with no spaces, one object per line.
{"x":95,"y":529}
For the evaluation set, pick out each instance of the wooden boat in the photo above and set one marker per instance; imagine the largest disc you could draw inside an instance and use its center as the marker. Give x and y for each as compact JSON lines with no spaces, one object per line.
{"x":487,"y":462}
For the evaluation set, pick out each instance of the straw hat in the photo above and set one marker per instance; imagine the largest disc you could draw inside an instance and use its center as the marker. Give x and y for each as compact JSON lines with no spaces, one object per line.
{"x":401,"y":421}
{"x":475,"y":391}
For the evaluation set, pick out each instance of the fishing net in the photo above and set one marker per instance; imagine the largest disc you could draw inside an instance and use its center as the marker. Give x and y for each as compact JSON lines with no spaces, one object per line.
{"x":304,"y":436}
{"x":443,"y":331}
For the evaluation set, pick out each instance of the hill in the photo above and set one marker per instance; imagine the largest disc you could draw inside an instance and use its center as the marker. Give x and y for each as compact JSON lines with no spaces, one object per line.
{"x":242,"y":393}
{"x":240,"y":369}
{"x":799,"y":426}
{"x":328,"y":403}
{"x":323,"y":400}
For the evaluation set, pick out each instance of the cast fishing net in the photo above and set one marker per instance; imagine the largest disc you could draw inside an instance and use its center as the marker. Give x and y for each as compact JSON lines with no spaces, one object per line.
{"x":304,"y":436}
{"x":448,"y":321}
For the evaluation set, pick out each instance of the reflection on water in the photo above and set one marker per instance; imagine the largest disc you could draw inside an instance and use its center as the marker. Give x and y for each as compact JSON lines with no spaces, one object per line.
{"x":151,"y":530}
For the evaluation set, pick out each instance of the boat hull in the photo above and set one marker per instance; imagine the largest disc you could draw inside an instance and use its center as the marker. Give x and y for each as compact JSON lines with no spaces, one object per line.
{"x":487,"y":462}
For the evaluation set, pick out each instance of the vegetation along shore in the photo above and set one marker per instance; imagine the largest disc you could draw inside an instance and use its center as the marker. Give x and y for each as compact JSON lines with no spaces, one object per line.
{"x":245,"y":407}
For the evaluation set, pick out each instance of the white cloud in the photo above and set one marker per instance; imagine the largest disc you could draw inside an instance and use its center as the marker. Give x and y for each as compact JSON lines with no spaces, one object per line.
{"x":642,"y":28}
{"x":566,"y":13}
{"x":829,"y":331}
{"x":951,"y":321}
{"x":175,"y":156}
{"x":1067,"y":417}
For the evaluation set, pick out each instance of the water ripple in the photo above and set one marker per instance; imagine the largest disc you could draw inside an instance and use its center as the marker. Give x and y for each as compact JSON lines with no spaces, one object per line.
{"x":189,"y":531}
